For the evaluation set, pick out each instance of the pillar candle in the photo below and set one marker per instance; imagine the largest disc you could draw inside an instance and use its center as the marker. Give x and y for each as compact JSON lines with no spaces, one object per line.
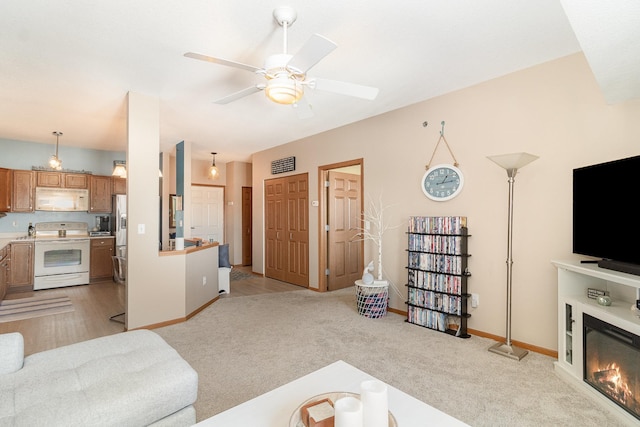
{"x":348,"y":412}
{"x":375,"y":406}
{"x":179,"y":243}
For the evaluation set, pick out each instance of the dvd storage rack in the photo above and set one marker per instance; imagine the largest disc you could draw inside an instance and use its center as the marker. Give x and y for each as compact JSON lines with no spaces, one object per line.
{"x":437,"y":274}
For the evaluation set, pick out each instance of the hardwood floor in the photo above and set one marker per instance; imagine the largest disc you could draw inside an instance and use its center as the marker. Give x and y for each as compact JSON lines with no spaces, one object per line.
{"x":95,"y":303}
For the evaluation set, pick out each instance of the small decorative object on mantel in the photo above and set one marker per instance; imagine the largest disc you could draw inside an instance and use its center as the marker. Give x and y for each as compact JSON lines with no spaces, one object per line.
{"x":444,"y":181}
{"x":287,"y":164}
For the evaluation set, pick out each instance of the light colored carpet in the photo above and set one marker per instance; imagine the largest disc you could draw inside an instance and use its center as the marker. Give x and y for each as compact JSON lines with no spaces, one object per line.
{"x":26,"y":308}
{"x":243,"y":347}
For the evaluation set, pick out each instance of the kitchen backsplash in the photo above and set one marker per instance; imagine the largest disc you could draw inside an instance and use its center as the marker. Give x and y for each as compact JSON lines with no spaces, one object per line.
{"x":19,"y":222}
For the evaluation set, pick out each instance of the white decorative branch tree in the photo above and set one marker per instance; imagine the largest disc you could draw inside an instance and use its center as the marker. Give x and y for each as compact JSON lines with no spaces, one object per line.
{"x":374,"y":228}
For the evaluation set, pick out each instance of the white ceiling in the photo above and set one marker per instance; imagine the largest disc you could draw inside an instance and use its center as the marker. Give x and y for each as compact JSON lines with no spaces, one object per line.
{"x":67,"y":65}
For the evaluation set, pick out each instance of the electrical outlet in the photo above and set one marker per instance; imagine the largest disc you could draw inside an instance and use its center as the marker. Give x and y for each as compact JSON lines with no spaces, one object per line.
{"x":204,"y":280}
{"x":475,"y":300}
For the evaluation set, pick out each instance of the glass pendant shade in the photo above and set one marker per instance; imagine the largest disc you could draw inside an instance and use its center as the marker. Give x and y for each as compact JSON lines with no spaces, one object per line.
{"x":213,"y":172}
{"x":54,"y":160}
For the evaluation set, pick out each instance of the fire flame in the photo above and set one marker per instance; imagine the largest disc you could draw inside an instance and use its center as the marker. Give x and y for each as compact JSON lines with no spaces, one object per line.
{"x":610,"y":381}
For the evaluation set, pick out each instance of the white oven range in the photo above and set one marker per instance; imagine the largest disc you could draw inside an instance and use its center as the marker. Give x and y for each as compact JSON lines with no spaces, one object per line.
{"x":61,"y":254}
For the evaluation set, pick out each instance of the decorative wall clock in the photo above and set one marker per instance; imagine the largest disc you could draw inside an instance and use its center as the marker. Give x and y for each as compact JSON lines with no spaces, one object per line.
{"x":442,"y":182}
{"x":445,"y":181}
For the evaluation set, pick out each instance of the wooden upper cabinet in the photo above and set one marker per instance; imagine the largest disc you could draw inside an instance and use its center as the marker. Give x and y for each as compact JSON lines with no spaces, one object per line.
{"x":22,"y":191}
{"x":119,"y":185}
{"x":6,"y":183}
{"x":48,"y":179}
{"x":76,"y":180}
{"x":100,"y":194}
{"x":62,"y":180}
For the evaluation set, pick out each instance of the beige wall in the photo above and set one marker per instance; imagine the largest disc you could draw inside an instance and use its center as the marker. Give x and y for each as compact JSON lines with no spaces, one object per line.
{"x":554,"y":110}
{"x":155,"y":286}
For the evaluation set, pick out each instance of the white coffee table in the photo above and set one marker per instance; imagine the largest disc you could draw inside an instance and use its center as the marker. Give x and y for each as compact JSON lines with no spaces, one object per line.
{"x":274,"y":408}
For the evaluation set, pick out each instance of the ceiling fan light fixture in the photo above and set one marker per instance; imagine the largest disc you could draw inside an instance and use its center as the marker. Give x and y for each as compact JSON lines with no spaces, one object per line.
{"x":283,"y":89}
{"x":54,"y":160}
{"x":213,"y":172}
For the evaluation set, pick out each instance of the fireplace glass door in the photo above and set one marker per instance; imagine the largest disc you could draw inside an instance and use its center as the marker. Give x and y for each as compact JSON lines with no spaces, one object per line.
{"x":612,"y":363}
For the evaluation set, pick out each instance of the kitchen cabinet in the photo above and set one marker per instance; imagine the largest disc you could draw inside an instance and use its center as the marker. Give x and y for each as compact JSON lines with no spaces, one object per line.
{"x":49,"y":179}
{"x":62,"y":180}
{"x":100,"y":194}
{"x":4,"y":271}
{"x":76,"y":180}
{"x":119,"y":185}
{"x":102,"y":249}
{"x":21,"y":267}
{"x":5,"y":189}
{"x":22,"y":191}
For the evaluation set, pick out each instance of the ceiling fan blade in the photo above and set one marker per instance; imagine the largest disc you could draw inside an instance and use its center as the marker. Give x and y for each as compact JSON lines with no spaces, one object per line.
{"x":240,"y":94}
{"x":344,"y":88}
{"x":221,"y":61}
{"x":303,"y":108}
{"x":311,"y":53}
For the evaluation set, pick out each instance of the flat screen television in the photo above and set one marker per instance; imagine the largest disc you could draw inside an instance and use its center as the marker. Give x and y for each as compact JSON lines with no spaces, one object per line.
{"x":605,"y":213}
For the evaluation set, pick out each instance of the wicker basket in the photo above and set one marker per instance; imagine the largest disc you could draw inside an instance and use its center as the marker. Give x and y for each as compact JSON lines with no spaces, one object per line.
{"x":372,"y":299}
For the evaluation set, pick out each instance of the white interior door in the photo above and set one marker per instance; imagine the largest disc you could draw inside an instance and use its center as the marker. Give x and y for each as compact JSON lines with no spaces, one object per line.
{"x":207,"y":213}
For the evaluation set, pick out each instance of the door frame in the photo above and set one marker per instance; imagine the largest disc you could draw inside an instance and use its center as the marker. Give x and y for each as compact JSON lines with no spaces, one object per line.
{"x":322,"y":215}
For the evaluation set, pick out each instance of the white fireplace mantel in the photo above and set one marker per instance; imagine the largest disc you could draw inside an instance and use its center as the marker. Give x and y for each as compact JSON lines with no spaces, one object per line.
{"x":573,"y":280}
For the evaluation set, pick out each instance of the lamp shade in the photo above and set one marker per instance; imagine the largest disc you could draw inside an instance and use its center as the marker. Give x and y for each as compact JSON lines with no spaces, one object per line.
{"x":119,"y":169}
{"x":512,"y":162}
{"x":284,"y":89}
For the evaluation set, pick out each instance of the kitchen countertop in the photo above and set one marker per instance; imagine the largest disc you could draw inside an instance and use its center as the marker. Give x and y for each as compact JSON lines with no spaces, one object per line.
{"x":5,"y":240}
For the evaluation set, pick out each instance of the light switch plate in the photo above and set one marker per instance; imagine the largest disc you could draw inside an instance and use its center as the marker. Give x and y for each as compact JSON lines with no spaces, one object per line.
{"x":140,"y":228}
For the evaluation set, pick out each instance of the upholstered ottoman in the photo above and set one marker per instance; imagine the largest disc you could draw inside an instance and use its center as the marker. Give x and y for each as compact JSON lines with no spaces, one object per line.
{"x":128,"y":379}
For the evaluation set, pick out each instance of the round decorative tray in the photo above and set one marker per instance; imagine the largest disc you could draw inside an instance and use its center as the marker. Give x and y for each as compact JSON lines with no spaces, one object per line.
{"x":296,"y":420}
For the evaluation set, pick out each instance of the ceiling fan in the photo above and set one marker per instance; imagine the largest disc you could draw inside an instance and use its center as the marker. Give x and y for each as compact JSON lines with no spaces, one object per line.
{"x":286,"y":75}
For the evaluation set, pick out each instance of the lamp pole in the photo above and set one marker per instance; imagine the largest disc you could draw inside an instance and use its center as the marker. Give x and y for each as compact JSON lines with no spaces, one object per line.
{"x":511,"y":163}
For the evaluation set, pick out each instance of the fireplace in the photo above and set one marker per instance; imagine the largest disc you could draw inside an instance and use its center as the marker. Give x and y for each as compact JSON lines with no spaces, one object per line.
{"x":612,"y":363}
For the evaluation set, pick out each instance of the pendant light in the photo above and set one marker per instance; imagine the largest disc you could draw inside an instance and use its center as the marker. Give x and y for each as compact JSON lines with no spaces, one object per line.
{"x":54,"y":161}
{"x":119,"y":168}
{"x":214,"y":173}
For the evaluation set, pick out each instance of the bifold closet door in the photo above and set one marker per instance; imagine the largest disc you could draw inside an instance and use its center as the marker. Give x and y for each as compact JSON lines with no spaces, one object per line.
{"x":287,"y":229}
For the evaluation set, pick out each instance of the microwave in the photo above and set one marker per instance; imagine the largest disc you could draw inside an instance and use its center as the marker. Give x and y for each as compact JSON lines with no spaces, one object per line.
{"x":62,"y":199}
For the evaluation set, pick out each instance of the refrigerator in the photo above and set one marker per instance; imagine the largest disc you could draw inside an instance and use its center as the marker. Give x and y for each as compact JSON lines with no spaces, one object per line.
{"x":119,"y":221}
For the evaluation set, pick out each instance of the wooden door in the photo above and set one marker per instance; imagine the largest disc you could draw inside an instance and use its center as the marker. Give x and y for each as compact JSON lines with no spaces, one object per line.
{"x":297,"y":233}
{"x":275,"y":218}
{"x":287,"y":229}
{"x":344,"y":220}
{"x":247,"y":226}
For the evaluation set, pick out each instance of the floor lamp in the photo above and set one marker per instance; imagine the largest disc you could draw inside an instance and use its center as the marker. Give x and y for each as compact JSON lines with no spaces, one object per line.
{"x":511,"y":163}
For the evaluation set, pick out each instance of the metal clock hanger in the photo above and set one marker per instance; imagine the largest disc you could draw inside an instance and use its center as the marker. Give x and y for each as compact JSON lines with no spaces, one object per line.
{"x":444,"y":181}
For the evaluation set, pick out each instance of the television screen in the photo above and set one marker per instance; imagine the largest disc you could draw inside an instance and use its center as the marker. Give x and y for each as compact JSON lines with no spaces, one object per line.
{"x":605,"y":212}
